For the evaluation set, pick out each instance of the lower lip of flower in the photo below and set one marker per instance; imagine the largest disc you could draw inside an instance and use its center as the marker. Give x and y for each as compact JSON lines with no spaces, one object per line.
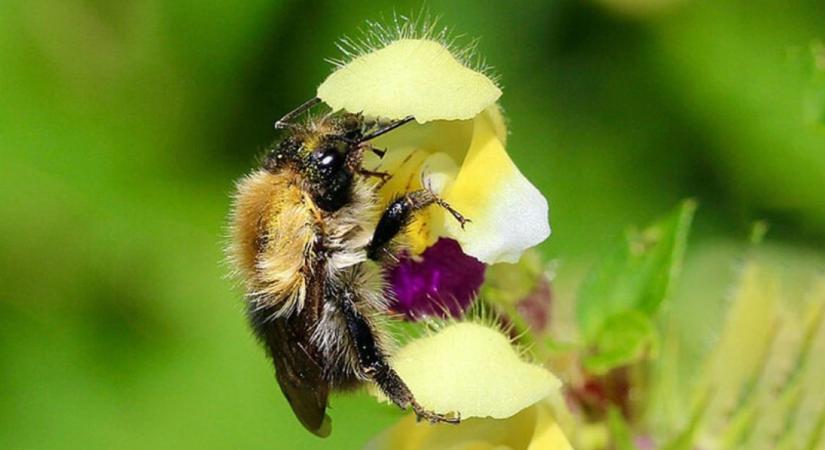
{"x":442,"y":281}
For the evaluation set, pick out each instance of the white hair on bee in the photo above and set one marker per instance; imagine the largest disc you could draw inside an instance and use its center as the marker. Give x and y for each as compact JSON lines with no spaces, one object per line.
{"x":375,"y":35}
{"x":352,"y":231}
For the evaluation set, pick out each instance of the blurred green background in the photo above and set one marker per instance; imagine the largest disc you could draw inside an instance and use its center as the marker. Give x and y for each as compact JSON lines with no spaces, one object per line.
{"x":124,"y":124}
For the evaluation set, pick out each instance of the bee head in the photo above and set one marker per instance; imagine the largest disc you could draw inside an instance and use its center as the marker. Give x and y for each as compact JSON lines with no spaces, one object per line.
{"x":322,"y":152}
{"x":325,"y":159}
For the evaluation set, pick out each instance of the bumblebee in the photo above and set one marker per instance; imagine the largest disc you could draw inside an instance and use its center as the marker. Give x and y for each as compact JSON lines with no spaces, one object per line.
{"x":309,"y":245}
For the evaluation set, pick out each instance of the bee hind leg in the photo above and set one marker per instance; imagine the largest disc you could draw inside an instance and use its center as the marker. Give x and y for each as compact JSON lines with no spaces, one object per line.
{"x":374,"y":364}
{"x":432,"y":417}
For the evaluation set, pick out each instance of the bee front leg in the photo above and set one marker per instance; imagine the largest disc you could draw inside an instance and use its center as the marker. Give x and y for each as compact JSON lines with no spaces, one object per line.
{"x":373,"y":363}
{"x":399,"y":213}
{"x":355,"y":157}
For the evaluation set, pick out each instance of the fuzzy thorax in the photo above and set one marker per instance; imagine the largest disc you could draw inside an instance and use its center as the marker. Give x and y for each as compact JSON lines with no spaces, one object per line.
{"x":279,"y":235}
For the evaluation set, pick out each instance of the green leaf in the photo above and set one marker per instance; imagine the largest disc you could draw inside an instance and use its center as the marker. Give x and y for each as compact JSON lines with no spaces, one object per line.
{"x":624,"y":338}
{"x":620,"y":297}
{"x":635,"y":277}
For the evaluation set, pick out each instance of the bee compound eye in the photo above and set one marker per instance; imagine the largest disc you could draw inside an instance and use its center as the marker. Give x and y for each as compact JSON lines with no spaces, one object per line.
{"x":329,"y":160}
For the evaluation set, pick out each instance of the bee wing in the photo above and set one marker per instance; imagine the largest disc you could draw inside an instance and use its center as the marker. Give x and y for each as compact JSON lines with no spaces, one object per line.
{"x":297,"y":369}
{"x":302,"y":382}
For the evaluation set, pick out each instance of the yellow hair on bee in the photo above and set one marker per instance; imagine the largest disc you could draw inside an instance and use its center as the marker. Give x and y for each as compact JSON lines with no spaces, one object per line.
{"x":274,"y":207}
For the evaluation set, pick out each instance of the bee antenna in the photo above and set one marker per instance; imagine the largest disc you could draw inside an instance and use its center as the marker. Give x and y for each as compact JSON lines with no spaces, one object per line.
{"x":286,"y":121}
{"x":348,"y":141}
{"x":386,"y":129}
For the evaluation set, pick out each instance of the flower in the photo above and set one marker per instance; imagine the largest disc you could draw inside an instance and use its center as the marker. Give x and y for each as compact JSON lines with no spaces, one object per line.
{"x":455,"y":147}
{"x":472,"y":369}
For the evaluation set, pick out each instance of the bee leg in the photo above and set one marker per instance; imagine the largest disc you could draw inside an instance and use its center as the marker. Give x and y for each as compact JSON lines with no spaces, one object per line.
{"x":384,"y":176}
{"x":374,"y":363}
{"x":355,"y":158}
{"x":399,"y":213}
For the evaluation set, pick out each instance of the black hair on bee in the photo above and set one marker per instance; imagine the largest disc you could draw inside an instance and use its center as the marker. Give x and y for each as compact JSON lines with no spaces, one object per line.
{"x":309,"y":244}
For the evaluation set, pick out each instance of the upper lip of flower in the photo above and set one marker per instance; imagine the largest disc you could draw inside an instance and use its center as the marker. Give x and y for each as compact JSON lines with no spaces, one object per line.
{"x":457,"y":146}
{"x":418,"y":77}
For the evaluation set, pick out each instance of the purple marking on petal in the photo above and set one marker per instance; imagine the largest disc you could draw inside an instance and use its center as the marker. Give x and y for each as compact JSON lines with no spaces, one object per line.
{"x":443,"y":280}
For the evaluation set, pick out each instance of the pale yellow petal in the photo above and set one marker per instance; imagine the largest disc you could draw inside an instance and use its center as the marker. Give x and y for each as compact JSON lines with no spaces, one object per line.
{"x":471,"y":369}
{"x":548,"y":433}
{"x":438,"y":172}
{"x":496,"y":119}
{"x":509,"y":215}
{"x":452,"y":137}
{"x":417,"y":77}
{"x":532,"y":429}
